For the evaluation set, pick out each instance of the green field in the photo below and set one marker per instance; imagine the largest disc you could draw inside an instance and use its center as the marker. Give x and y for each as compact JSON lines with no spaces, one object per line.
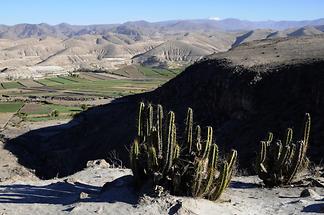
{"x":11,"y":85}
{"x":62,"y":80}
{"x":48,"y":82}
{"x":10,"y":107}
{"x":39,"y":112}
{"x":110,"y":87}
{"x":46,"y":118}
{"x":158,"y":73}
{"x":140,"y":72}
{"x":64,"y":109}
{"x":48,"y":108}
{"x":73,"y":79}
{"x":113,"y":87}
{"x":42,"y":112}
{"x":145,"y":79}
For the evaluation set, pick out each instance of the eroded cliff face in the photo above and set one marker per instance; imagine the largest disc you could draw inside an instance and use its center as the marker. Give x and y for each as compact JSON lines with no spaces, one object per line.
{"x":241,"y":103}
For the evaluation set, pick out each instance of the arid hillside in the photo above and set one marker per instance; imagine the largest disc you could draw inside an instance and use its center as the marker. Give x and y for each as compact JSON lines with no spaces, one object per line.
{"x":30,"y":51}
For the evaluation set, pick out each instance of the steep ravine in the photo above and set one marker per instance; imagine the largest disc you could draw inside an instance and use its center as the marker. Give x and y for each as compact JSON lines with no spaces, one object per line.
{"x":241,"y":103}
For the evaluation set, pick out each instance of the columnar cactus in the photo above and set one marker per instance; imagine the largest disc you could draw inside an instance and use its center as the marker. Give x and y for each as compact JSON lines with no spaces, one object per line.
{"x":278,"y":163}
{"x":134,"y":159}
{"x":189,"y":125}
{"x":184,"y":166}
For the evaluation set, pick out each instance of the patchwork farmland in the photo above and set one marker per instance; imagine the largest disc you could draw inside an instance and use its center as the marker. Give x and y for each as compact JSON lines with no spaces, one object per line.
{"x":65,"y":95}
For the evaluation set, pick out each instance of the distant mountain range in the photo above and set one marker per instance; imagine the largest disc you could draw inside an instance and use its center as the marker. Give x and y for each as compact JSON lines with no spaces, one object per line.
{"x":30,"y":49}
{"x":137,"y":28}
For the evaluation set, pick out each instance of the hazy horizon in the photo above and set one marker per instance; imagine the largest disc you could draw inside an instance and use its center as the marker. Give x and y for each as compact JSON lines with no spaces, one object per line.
{"x":113,"y":12}
{"x":211,"y":19}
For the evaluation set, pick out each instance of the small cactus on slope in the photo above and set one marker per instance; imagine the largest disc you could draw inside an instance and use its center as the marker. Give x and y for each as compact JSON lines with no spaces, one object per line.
{"x":185,"y":166}
{"x":278,"y":163}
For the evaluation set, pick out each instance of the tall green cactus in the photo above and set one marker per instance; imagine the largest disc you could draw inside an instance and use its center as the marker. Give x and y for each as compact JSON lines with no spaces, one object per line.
{"x":134,"y":156}
{"x":212,"y":168}
{"x":231,"y":164}
{"x":170,"y":140}
{"x":278,"y":163}
{"x":208,"y":141}
{"x":149,"y":119}
{"x":296,"y":161}
{"x":221,"y":182}
{"x":307,"y":130}
{"x":184,"y":166}
{"x":140,"y":128}
{"x":198,"y":139}
{"x":159,"y":125}
{"x":189,"y":125}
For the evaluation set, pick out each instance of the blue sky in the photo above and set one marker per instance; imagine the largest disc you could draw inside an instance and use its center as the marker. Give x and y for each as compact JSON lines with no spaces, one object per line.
{"x":118,"y":11}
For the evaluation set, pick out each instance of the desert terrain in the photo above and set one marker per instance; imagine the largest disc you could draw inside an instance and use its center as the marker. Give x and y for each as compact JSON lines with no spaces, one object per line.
{"x":39,"y":50}
{"x":70,"y":96}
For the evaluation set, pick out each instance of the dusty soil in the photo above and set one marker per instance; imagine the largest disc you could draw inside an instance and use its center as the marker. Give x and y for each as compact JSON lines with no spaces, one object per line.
{"x":82,"y":193}
{"x":10,"y":169}
{"x":33,"y":107}
{"x":4,"y":118}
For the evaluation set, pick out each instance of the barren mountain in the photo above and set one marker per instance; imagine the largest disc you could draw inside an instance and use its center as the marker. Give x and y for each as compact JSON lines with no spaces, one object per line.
{"x":186,"y":48}
{"x":258,"y":34}
{"x":276,"y":51}
{"x":31,"y":50}
{"x":138,"y":28}
{"x":29,"y":57}
{"x":305,"y":31}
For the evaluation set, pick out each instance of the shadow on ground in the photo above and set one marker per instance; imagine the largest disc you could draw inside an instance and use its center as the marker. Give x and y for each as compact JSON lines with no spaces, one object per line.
{"x":66,"y":193}
{"x":314,"y":208}
{"x":58,"y":151}
{"x":243,"y":185}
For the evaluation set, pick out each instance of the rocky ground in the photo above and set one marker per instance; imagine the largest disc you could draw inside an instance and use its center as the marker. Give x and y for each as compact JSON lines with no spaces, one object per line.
{"x":102,"y":188}
{"x":83,"y":193}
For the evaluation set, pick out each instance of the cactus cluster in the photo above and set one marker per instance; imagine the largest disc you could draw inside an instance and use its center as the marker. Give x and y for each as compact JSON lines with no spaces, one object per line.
{"x":186,"y":166}
{"x":279,"y":162}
